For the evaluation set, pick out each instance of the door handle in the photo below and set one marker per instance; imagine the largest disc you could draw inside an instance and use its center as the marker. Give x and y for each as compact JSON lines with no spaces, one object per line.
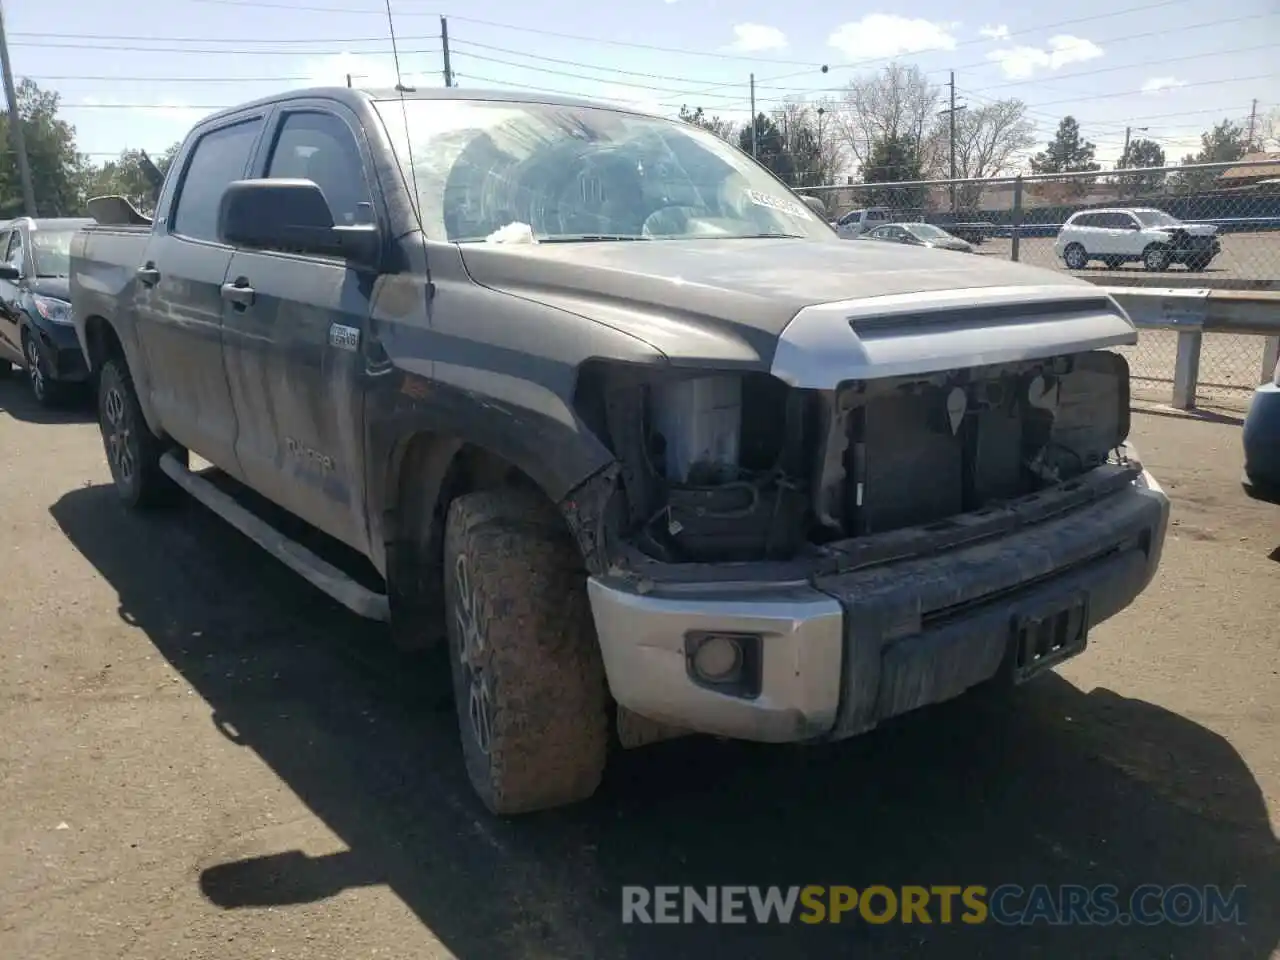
{"x":148,"y":275}
{"x":239,"y":293}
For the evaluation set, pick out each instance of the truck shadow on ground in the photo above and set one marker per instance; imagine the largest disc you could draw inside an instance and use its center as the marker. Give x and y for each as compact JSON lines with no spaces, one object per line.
{"x":17,"y":401}
{"x":1064,"y":787}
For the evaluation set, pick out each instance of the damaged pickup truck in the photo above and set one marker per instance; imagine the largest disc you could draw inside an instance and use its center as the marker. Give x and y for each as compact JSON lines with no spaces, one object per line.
{"x":615,"y":416}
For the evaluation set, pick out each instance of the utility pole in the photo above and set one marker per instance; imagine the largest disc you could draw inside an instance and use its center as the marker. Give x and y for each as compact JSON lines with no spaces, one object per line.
{"x":444,"y":38}
{"x":951,"y":116}
{"x":15,"y":124}
{"x":1253,"y":120}
{"x":753,"y":116}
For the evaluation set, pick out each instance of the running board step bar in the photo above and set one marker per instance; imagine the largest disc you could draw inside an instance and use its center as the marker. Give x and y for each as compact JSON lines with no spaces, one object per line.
{"x":320,"y":573}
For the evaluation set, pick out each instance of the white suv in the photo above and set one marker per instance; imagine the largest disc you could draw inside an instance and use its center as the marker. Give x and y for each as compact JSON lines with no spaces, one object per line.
{"x":1144,"y":234}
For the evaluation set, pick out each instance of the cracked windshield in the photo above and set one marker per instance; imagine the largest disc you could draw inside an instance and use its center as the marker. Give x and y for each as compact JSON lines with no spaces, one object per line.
{"x":527,"y":172}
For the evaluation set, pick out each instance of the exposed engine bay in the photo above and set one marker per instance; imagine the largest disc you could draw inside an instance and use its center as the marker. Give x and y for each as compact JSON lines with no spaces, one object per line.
{"x":741,"y":467}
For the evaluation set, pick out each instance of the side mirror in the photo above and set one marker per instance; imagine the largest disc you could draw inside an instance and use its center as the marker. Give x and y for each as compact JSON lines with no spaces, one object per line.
{"x":9,"y":272}
{"x":293,"y":216}
{"x":817,"y":206}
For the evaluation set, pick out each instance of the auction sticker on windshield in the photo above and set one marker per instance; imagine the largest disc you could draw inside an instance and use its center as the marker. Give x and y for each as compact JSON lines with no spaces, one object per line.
{"x":777,"y":203}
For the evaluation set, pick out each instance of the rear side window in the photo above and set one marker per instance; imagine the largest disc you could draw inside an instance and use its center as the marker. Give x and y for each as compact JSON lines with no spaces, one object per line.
{"x":220,"y":157}
{"x":1086,"y":220}
{"x":877,"y":215}
{"x":321,"y":148}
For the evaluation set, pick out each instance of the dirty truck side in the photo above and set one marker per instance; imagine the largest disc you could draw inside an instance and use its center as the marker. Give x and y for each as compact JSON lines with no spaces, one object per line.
{"x":615,"y":416}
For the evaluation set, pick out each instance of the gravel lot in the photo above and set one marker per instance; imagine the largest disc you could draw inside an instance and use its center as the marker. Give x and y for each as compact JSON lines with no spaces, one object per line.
{"x":202,"y":757}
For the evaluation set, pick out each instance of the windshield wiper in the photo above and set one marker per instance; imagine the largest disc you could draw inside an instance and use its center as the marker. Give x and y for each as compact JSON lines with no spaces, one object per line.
{"x":589,"y":238}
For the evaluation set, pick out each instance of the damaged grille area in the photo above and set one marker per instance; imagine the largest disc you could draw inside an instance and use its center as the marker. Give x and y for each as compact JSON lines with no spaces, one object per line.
{"x":734,"y":467}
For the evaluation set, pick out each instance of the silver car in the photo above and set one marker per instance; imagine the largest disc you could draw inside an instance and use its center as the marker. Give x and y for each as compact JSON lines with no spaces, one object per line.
{"x":920,"y":235}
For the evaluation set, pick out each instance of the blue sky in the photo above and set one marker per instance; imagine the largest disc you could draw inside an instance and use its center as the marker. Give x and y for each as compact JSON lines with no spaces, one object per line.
{"x":137,"y":73}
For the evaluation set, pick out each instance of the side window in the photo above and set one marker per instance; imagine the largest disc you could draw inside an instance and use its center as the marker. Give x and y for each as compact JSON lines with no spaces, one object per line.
{"x":16,"y":251}
{"x":321,"y":148}
{"x":1127,"y":221}
{"x":220,"y":157}
{"x":1089,"y":220}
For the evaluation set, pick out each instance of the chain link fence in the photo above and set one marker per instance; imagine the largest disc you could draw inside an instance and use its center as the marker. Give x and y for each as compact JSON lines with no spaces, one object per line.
{"x":1203,"y":225}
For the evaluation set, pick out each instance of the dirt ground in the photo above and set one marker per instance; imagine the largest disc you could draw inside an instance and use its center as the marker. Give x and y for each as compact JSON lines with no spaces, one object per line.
{"x":202,"y":757}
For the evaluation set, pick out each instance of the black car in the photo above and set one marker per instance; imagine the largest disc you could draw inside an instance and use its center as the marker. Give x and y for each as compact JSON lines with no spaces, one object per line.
{"x":36,"y":331}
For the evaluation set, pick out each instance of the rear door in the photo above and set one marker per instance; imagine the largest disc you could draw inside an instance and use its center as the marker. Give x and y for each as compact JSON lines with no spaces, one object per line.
{"x":179,"y":300}
{"x":294,"y":361}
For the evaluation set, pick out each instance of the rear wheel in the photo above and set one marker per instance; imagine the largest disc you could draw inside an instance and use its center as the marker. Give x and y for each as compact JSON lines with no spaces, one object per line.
{"x":1075,"y":257}
{"x":528,"y":680}
{"x":133,"y":451}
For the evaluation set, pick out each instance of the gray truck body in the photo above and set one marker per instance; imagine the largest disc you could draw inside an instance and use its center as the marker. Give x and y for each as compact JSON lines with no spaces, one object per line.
{"x":361,"y":400}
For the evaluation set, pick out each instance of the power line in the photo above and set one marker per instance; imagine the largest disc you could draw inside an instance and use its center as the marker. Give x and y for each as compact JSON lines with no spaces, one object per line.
{"x":224,"y":52}
{"x":265,"y":4}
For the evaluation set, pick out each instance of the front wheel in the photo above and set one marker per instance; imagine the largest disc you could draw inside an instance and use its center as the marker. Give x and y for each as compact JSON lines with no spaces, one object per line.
{"x":1075,"y":257}
{"x":1156,"y":258}
{"x":133,"y":451}
{"x":528,"y":680}
{"x":46,"y":390}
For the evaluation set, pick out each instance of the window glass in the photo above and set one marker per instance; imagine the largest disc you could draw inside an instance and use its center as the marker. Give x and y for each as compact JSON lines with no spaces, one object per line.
{"x":497,"y":171}
{"x":15,"y":251}
{"x":321,"y":148}
{"x":220,"y":157}
{"x":51,"y":251}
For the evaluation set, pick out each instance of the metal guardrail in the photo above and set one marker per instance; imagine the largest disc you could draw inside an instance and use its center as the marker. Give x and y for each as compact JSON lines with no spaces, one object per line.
{"x":1192,"y":313}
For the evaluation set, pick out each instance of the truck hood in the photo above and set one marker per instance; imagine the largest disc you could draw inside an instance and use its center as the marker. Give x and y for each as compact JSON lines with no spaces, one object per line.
{"x":731,"y":300}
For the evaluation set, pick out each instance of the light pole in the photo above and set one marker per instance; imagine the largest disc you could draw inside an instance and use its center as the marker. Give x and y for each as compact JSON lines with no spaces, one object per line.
{"x":1124,"y":156}
{"x":822,"y":163}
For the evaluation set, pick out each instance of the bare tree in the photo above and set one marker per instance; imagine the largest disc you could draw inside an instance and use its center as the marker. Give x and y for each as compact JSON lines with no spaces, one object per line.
{"x":812,"y":140}
{"x":989,"y":139}
{"x":896,"y":103}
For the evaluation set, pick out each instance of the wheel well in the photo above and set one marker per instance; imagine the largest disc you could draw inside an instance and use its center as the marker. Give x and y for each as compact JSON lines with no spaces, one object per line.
{"x":103,"y":342}
{"x":429,"y":472}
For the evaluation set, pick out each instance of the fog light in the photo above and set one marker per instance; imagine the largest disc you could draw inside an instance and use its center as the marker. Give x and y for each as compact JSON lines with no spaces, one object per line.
{"x":718,"y":659}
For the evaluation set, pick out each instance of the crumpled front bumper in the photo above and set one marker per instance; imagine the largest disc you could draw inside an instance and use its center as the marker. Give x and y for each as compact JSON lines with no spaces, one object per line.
{"x":842,"y":652}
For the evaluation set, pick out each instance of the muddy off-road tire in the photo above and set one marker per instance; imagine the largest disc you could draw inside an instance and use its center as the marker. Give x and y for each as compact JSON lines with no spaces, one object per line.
{"x":528,"y":680}
{"x":133,"y":451}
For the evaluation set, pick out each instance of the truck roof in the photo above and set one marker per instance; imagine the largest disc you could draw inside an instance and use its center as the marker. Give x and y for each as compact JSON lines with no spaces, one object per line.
{"x":354,"y":96}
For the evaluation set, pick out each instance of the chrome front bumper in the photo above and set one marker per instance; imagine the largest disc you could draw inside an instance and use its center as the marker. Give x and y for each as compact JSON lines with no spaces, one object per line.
{"x":846,"y":651}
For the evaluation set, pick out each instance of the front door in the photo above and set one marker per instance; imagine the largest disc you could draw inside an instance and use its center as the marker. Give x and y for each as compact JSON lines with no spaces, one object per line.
{"x":294,"y":346}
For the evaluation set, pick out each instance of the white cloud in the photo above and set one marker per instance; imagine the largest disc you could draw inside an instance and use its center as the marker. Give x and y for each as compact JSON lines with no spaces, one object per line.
{"x":754,"y":37}
{"x":1019,"y":63}
{"x":883,"y":35}
{"x":998,"y":32}
{"x":627,"y":97}
{"x":1158,"y":84}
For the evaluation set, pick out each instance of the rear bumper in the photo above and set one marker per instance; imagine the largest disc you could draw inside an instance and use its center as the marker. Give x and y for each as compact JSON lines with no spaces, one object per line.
{"x":841,"y":653}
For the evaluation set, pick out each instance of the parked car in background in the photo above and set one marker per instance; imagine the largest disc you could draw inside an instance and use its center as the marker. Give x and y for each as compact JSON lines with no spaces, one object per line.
{"x":1132,"y":235}
{"x":919,"y":235}
{"x":1261,"y":438}
{"x":857,"y":222}
{"x":36,"y":331}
